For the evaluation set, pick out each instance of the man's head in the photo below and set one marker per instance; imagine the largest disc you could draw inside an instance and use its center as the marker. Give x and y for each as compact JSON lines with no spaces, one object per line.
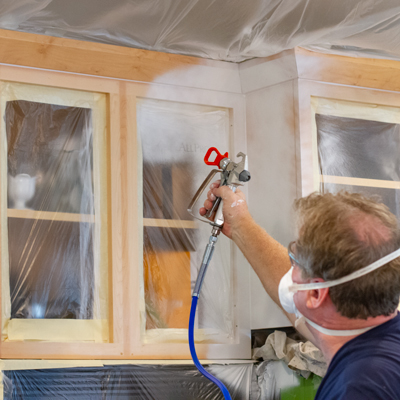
{"x":342,"y":233}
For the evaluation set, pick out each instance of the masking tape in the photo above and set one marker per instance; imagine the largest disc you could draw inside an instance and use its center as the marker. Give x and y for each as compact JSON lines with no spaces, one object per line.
{"x":15,"y":365}
{"x":205,"y":336}
{"x":352,"y":109}
{"x":58,"y":330}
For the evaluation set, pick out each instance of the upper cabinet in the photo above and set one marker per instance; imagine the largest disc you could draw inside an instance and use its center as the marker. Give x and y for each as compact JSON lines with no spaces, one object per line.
{"x":338,"y":120}
{"x":317,"y":122}
{"x":98,"y":253}
{"x":349,"y":139}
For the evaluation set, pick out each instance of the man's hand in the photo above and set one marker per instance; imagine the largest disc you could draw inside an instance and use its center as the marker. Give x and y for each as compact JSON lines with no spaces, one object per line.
{"x":235,"y":209}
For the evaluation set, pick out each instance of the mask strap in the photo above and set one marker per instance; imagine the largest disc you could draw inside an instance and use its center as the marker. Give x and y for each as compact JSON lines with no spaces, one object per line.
{"x":361,"y":272}
{"x":335,"y":332}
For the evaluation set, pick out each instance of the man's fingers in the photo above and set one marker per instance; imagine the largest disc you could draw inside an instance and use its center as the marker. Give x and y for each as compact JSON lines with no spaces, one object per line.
{"x":224,"y":192}
{"x":208,"y":204}
{"x":215,"y":184}
{"x":211,"y":195}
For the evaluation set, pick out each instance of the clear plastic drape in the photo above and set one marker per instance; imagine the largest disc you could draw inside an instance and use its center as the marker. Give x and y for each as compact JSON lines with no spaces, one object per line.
{"x":52,"y":209}
{"x":360,"y":154}
{"x":174,"y":139}
{"x":229,"y":30}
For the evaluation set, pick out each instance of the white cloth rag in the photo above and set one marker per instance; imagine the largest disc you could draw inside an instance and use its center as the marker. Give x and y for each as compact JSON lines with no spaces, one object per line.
{"x":303,"y":357}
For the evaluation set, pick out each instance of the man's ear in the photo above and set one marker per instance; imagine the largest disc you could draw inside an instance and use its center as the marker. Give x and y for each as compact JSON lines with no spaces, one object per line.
{"x":316,"y":297}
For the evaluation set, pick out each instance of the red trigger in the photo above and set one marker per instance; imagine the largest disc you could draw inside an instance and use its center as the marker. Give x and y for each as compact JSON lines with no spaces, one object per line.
{"x":218,"y":158}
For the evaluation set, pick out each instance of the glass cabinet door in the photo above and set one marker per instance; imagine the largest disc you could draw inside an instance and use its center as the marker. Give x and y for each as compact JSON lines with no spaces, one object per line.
{"x":174,"y":138}
{"x":358,"y":149}
{"x":53,"y":215}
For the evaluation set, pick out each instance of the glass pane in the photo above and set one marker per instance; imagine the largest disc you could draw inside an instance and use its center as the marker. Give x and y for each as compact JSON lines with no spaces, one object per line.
{"x":358,"y":148}
{"x":174,"y":140}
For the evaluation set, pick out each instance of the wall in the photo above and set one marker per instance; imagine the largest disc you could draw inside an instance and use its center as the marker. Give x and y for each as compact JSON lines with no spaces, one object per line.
{"x":271,"y":120}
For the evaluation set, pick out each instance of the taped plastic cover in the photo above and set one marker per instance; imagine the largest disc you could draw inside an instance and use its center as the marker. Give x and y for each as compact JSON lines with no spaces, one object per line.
{"x":358,"y":147}
{"x":174,"y":139}
{"x":127,"y":382}
{"x":53,"y":214}
{"x":231,"y":30}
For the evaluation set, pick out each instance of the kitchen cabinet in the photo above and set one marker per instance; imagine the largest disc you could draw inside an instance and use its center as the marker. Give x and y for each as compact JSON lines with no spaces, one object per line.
{"x":98,"y":252}
{"x":316,"y":122}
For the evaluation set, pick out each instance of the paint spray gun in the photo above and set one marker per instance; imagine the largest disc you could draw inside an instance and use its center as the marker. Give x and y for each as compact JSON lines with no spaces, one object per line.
{"x":232,"y":175}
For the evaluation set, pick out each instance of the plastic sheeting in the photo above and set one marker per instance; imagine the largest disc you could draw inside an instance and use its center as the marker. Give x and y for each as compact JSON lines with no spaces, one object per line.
{"x":128,"y":382}
{"x":174,"y":139}
{"x":230,"y":30}
{"x":359,"y":154}
{"x":53,"y":214}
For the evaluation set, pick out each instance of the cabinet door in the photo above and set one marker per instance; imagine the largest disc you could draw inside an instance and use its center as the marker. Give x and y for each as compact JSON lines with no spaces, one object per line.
{"x":355,"y":137}
{"x":174,"y":128}
{"x":56,"y":241}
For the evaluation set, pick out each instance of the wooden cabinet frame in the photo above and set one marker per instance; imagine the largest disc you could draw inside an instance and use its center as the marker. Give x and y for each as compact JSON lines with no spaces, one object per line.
{"x":33,"y":349}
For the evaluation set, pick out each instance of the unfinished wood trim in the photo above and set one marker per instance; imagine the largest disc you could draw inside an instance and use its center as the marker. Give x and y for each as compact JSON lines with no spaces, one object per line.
{"x":345,"y":180}
{"x":56,"y":79}
{"x":58,"y":330}
{"x":306,"y":140}
{"x":169,"y":223}
{"x":353,"y":71}
{"x":354,"y":109}
{"x":117,"y":263}
{"x":97,"y":59}
{"x":58,"y":350}
{"x":132,"y":207}
{"x":49,"y":215}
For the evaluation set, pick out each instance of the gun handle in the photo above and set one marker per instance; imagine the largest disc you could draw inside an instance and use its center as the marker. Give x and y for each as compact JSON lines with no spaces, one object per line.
{"x":199,"y":192}
{"x":219,"y":216}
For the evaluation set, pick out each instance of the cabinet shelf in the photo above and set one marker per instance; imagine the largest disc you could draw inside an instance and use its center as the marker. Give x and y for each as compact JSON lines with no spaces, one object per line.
{"x":49,"y":215}
{"x":72,"y":217}
{"x":345,"y":180}
{"x":169,"y":223}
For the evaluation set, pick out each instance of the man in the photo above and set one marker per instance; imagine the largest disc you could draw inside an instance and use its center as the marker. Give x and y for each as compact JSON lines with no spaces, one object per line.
{"x":355,"y":323}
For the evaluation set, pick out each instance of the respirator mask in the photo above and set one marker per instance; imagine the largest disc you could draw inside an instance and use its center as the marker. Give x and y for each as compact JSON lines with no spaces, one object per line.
{"x":287,"y":289}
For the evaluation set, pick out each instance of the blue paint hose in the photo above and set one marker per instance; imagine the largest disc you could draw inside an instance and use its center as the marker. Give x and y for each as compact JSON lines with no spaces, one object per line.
{"x":196,"y":292}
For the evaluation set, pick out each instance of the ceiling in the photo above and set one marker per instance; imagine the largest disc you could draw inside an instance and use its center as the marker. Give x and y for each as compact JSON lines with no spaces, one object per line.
{"x":230,"y":30}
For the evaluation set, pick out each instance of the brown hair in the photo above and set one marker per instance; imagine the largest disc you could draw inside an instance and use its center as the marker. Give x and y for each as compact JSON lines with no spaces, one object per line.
{"x":342,"y":233}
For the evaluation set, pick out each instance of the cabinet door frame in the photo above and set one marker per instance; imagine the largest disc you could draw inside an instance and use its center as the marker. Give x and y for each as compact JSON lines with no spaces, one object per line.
{"x":77,"y":350}
{"x":307,"y":139}
{"x":137,"y":347}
